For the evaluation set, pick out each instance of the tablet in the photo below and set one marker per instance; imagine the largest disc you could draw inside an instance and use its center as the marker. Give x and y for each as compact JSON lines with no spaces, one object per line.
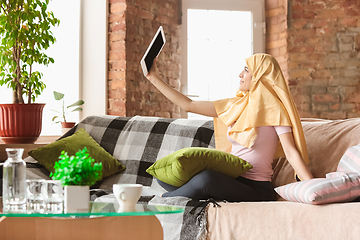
{"x":153,"y":50}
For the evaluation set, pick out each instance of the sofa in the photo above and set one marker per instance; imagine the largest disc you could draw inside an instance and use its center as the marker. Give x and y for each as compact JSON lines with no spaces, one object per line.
{"x":137,"y":142}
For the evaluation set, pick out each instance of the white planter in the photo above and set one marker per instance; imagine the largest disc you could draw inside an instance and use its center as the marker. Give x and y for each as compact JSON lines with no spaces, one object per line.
{"x":76,"y":199}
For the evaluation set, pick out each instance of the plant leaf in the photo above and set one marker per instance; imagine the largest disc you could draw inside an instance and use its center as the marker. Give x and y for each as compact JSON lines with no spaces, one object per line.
{"x":77,"y":103}
{"x":58,"y":96}
{"x":77,"y":170}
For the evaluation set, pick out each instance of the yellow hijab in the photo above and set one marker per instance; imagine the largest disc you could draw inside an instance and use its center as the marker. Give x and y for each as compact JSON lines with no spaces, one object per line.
{"x":267,"y":103}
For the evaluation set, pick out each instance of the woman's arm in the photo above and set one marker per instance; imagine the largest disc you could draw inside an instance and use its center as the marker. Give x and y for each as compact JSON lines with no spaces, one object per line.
{"x":206,"y":108}
{"x":294,"y":157}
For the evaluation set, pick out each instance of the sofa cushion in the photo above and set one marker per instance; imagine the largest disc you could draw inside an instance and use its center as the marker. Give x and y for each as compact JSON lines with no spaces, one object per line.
{"x":338,"y":174}
{"x":327,"y":141}
{"x":179,"y":167}
{"x":49,"y":154}
{"x":350,"y":161}
{"x":336,"y":188}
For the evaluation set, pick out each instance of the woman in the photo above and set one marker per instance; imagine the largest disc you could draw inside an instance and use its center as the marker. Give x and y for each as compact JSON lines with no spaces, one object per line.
{"x":261,"y":114}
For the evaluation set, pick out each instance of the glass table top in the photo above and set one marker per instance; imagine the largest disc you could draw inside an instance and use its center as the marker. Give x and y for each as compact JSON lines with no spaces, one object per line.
{"x":105,"y":209}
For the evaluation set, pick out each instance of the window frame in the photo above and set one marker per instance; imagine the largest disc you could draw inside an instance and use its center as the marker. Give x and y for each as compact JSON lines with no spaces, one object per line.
{"x":93,"y":50}
{"x":256,"y":7}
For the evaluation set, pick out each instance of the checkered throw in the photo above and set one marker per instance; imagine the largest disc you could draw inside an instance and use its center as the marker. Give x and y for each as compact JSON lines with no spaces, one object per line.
{"x":137,"y":142}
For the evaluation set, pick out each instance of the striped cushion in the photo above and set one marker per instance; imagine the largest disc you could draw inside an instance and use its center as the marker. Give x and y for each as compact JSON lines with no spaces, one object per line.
{"x":337,"y":174}
{"x":342,"y":188}
{"x":350,"y":161}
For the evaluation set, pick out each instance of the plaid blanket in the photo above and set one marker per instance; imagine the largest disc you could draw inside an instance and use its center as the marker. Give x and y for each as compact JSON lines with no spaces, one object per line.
{"x":137,"y":143}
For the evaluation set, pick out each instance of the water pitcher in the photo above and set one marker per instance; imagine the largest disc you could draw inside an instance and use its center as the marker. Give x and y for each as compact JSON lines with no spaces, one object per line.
{"x":14,"y":181}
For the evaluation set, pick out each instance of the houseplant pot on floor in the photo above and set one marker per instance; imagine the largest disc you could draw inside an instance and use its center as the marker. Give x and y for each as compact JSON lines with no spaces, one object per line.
{"x":77,"y":173}
{"x":25,"y":35}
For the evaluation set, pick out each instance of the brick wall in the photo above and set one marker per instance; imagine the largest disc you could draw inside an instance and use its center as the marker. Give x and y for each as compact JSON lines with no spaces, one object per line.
{"x":117,"y":58}
{"x":132,"y":24}
{"x":276,"y":32}
{"x":323,"y":46}
{"x":316,"y":42}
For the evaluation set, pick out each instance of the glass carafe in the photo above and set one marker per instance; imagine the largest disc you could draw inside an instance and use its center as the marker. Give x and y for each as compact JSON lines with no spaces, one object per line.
{"x":14,"y":181}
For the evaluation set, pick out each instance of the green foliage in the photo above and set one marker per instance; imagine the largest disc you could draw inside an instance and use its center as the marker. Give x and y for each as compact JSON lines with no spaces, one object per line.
{"x":77,"y":170}
{"x":25,"y":35}
{"x":65,"y":111}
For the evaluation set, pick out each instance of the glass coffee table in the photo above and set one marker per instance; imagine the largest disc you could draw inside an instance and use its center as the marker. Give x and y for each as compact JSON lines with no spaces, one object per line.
{"x":103,"y":221}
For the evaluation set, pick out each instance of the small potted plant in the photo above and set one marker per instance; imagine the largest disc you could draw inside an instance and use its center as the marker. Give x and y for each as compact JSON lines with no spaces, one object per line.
{"x":25,"y":34}
{"x":77,"y":173}
{"x":65,"y":110}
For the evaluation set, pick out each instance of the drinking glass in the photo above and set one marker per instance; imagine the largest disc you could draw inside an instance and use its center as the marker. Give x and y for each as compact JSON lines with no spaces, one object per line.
{"x":53,"y":193}
{"x":34,"y":195}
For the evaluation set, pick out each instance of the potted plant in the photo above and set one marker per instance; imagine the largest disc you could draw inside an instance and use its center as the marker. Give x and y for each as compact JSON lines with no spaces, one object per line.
{"x":25,"y":34}
{"x":65,"y":111}
{"x":76,"y":174}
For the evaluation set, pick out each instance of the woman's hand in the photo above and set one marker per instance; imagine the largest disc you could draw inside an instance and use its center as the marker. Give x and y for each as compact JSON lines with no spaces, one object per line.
{"x":153,"y":73}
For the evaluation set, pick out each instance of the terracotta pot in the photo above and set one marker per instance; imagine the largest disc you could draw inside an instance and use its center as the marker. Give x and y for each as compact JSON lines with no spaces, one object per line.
{"x":67,"y":124}
{"x":20,"y":123}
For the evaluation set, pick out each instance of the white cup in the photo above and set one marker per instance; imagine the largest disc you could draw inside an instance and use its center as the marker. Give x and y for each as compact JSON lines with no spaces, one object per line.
{"x":127,"y":196}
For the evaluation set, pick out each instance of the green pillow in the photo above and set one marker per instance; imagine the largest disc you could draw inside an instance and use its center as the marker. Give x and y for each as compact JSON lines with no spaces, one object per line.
{"x":179,"y":167}
{"x":49,"y":154}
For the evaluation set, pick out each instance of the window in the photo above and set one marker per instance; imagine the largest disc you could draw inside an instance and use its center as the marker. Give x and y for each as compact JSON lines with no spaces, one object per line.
{"x":80,"y":55}
{"x":63,"y":75}
{"x":217,"y":36}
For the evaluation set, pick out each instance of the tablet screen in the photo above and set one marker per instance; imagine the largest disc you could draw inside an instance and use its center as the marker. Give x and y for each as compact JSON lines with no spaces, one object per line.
{"x":154,"y":51}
